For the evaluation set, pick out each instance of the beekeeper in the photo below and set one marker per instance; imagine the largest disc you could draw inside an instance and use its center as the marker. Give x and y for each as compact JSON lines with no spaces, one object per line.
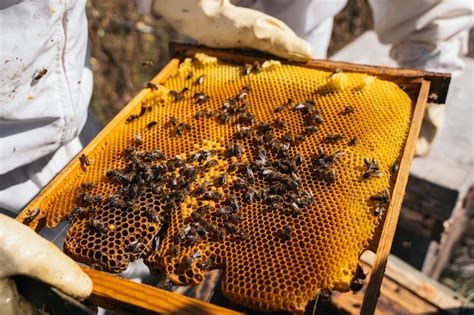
{"x":46,"y":79}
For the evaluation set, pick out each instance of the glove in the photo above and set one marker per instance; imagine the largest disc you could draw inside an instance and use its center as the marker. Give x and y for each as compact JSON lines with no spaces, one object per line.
{"x":218,"y":23}
{"x":23,"y":252}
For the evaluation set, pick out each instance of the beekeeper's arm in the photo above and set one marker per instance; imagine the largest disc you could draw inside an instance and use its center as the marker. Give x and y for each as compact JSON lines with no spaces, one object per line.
{"x":218,"y":23}
{"x":425,"y":34}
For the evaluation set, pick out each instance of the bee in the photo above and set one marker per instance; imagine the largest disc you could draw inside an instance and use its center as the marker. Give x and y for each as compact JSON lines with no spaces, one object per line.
{"x":348,"y":110}
{"x":353,"y":142}
{"x":283,"y":106}
{"x":147,"y":63}
{"x":196,"y":255}
{"x":200,"y":79}
{"x":212,"y":195}
{"x":230,"y":227}
{"x":205,"y":265}
{"x":165,"y":284}
{"x":395,"y":167}
{"x":310,"y":129}
{"x":334,"y":137}
{"x":246,"y":119}
{"x":152,"y":86}
{"x":84,"y":161}
{"x":172,"y":122}
{"x":306,"y":107}
{"x":40,"y":73}
{"x":274,"y":200}
{"x":298,"y":159}
{"x":243,"y":132}
{"x":325,"y":294}
{"x":256,"y":67}
{"x":234,"y":150}
{"x":247,"y":69}
{"x":178,"y":96}
{"x":221,"y":180}
{"x":200,"y":97}
{"x":87,"y":186}
{"x":132,"y":118}
{"x":31,"y":215}
{"x":73,"y":214}
{"x":331,"y":176}
{"x":242,"y":95}
{"x":220,"y":234}
{"x":240,"y":183}
{"x":356,"y":285}
{"x":138,"y":139}
{"x":381,"y":199}
{"x":84,"y":199}
{"x":279,"y":124}
{"x":264,"y":127}
{"x":153,"y":216}
{"x":286,"y":232}
{"x":360,"y":273}
{"x":136,"y":246}
{"x":223,"y":118}
{"x":97,"y":199}
{"x":97,"y":226}
{"x":200,"y":113}
{"x":210,"y":164}
{"x":300,"y":138}
{"x":372,"y":169}
{"x":181,"y":128}
{"x":173,"y":251}
{"x":114,"y":201}
{"x":234,"y":203}
{"x":242,"y":236}
{"x":377,"y":211}
{"x":223,"y":211}
{"x":232,"y":168}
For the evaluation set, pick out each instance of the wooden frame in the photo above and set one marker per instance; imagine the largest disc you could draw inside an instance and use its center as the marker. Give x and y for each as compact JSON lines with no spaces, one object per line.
{"x":419,"y":85}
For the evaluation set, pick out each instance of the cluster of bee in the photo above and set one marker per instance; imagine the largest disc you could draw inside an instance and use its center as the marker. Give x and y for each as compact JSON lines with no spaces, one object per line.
{"x":177,"y":129}
{"x":324,"y":165}
{"x":381,"y":201}
{"x":268,"y":175}
{"x":357,"y":282}
{"x":372,"y":169}
{"x":31,"y":215}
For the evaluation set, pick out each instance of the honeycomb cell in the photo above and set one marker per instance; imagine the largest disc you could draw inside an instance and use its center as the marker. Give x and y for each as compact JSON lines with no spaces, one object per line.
{"x":270,"y":176}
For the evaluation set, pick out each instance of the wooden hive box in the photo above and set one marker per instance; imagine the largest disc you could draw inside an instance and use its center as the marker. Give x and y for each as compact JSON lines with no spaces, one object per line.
{"x":109,"y":290}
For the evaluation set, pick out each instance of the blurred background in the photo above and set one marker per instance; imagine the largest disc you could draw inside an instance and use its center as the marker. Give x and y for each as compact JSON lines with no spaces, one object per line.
{"x":128,"y":49}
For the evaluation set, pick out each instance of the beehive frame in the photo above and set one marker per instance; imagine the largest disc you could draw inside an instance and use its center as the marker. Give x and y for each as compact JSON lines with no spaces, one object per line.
{"x":419,"y":85}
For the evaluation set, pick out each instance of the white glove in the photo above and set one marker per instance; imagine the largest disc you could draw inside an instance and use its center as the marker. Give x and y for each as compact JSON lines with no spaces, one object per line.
{"x":218,"y":23}
{"x":23,"y":252}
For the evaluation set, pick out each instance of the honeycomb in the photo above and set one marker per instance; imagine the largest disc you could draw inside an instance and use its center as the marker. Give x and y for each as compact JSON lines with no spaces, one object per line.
{"x":279,"y":174}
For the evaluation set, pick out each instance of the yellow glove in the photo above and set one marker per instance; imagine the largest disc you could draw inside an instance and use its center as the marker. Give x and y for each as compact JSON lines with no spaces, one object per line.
{"x":23,"y":252}
{"x":218,"y":23}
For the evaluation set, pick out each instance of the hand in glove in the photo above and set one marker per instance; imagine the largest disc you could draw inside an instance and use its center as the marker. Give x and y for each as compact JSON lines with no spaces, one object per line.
{"x":218,"y":23}
{"x":23,"y":252}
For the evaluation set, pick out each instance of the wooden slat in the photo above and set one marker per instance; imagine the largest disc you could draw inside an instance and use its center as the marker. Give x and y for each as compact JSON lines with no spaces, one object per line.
{"x":124,"y":296}
{"x":390,"y":224}
{"x":439,"y":81}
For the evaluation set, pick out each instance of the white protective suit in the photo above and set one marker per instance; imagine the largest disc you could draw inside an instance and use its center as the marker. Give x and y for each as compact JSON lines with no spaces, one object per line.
{"x":41,"y":119}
